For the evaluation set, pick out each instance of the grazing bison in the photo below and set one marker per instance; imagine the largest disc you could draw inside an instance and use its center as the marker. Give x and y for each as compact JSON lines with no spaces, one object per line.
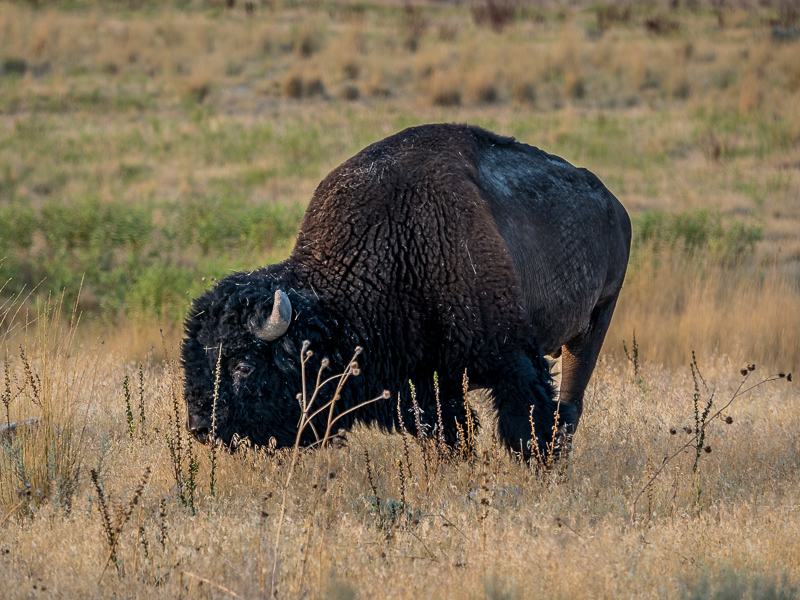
{"x":442,"y":248}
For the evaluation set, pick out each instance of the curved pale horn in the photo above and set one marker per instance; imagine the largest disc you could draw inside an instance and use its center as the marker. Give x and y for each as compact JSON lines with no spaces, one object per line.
{"x":278,"y":321}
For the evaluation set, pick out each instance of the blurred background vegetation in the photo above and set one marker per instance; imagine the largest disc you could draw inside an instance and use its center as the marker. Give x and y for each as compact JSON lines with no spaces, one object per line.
{"x":147,"y":148}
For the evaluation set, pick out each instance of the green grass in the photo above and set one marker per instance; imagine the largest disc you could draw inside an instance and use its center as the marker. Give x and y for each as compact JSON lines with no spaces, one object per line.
{"x":699,"y":234}
{"x":140,"y":252}
{"x":129,"y":264}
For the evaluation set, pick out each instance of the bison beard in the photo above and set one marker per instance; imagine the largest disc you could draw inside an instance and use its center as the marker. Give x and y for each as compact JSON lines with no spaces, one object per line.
{"x":443,"y":248}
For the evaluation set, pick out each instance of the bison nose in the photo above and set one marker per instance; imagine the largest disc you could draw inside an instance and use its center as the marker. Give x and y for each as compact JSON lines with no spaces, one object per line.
{"x":199,"y":427}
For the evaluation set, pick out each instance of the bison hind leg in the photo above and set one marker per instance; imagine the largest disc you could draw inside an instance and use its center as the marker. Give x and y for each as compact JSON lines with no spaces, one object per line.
{"x":580,"y":357}
{"x":529,"y":418}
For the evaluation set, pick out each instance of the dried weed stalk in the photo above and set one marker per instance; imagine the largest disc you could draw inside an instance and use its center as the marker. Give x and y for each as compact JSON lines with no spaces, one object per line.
{"x":185,"y":465}
{"x":699,"y":419}
{"x":141,"y":402}
{"x":633,"y":358}
{"x":213,"y":476}
{"x":306,"y":418}
{"x":31,"y":378}
{"x":8,"y":395}
{"x":404,"y":435}
{"x":703,"y":422}
{"x":112,"y":527}
{"x":126,"y":388}
{"x":371,"y":480}
{"x":468,"y":448}
{"x":484,"y":501}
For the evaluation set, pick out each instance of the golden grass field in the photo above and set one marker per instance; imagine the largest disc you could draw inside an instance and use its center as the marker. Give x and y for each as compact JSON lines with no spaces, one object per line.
{"x":146,"y":148}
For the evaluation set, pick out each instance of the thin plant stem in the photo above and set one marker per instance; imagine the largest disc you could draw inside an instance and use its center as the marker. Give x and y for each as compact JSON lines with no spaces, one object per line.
{"x":693,"y":440}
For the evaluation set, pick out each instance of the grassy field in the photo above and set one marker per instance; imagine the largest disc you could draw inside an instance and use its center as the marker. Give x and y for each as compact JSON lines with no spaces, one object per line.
{"x":148,"y":148}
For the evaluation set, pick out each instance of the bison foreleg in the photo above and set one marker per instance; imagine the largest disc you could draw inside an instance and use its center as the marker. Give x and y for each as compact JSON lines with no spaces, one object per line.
{"x":523,"y":398}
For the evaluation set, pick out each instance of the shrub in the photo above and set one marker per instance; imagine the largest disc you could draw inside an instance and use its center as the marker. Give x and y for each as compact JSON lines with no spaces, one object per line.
{"x":701,"y":233}
{"x":350,"y":92}
{"x":608,"y":14}
{"x":496,"y":14}
{"x":297,"y":86}
{"x":14,"y":66}
{"x":445,"y":90}
{"x":350,"y":68}
{"x":292,"y":85}
{"x":19,"y":224}
{"x":574,"y":85}
{"x":661,"y":25}
{"x":481,"y":87}
{"x":414,"y":26}
{"x":307,"y":41}
{"x":523,"y":91}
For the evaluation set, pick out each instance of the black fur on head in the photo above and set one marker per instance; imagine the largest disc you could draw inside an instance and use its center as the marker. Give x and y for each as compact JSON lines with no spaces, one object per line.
{"x":258,"y":380}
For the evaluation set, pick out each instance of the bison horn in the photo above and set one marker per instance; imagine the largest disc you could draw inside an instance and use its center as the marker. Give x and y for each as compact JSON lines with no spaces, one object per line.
{"x":278,"y":321}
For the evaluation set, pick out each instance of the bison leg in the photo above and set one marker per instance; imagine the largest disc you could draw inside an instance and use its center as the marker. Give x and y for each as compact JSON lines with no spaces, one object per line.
{"x":579,"y":357}
{"x":515,"y":391}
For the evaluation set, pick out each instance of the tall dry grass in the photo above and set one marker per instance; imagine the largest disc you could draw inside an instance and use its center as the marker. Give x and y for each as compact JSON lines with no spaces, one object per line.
{"x":46,"y":382}
{"x":721,"y":312}
{"x":406,"y":523}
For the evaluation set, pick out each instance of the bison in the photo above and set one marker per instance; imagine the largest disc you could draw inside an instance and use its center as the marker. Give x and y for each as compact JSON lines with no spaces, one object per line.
{"x":442,"y":248}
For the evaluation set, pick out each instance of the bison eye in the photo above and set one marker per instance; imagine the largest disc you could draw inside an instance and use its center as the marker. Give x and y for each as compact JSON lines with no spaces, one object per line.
{"x":243,"y":369}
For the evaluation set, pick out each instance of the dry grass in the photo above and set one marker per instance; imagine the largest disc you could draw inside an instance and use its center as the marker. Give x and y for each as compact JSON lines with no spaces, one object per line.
{"x":423,"y":527}
{"x":44,"y":372}
{"x":732,"y":314}
{"x":751,"y":96}
{"x":621,"y":65}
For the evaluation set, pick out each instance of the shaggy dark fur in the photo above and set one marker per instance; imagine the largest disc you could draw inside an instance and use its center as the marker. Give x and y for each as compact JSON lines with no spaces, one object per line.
{"x":421,"y":249}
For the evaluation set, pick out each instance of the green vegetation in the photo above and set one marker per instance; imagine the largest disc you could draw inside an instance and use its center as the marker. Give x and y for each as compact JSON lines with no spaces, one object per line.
{"x":130,"y":264}
{"x":700,"y":234}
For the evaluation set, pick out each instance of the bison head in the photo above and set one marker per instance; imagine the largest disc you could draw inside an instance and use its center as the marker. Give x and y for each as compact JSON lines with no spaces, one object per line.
{"x":251,"y":327}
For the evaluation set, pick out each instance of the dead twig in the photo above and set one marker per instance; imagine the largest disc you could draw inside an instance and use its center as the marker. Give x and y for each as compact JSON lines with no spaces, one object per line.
{"x":13,"y":510}
{"x":306,"y":405}
{"x":221,"y":588}
{"x":701,"y":430}
{"x":449,"y":523}
{"x":688,"y":559}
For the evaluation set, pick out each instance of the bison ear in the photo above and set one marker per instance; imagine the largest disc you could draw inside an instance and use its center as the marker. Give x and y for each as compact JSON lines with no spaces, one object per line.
{"x":278,"y":322}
